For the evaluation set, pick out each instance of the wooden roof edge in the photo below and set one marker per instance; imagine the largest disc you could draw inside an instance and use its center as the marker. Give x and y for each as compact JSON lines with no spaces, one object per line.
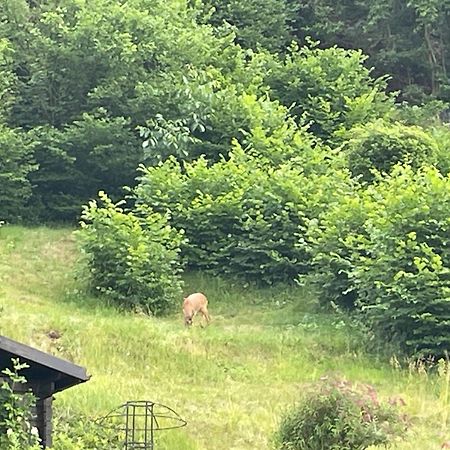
{"x":34,"y":355}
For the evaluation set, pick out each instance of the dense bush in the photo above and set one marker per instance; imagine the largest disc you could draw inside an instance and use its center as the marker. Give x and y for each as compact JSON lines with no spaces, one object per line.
{"x":339,"y":415}
{"x":386,"y":250}
{"x":16,"y":430}
{"x":337,"y":240}
{"x":442,"y":136}
{"x":256,"y":23}
{"x":403,"y":281}
{"x":90,"y":74}
{"x":380,"y":145}
{"x":95,"y":152}
{"x":241,"y":216}
{"x":7,"y":78}
{"x":131,"y":259}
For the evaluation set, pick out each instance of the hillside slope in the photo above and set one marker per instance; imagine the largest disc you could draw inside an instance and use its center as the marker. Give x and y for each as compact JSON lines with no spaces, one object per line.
{"x":231,"y":381}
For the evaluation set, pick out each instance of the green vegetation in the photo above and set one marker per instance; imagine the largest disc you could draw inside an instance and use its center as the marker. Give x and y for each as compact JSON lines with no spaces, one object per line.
{"x":272,"y":341}
{"x":379,"y":147}
{"x":16,"y":432}
{"x":386,"y":251}
{"x":131,"y":260}
{"x":241,"y":217}
{"x":83,"y":86}
{"x":216,"y":145}
{"x":337,"y":415}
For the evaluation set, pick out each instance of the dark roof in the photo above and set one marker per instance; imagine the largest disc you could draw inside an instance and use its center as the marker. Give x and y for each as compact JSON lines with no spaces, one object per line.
{"x":43,"y":366}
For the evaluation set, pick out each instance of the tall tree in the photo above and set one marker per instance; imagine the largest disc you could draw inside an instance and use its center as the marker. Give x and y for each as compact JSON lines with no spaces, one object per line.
{"x":409,"y":40}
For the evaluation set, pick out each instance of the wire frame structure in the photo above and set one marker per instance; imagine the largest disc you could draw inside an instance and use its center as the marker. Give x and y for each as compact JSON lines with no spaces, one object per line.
{"x":137,"y":422}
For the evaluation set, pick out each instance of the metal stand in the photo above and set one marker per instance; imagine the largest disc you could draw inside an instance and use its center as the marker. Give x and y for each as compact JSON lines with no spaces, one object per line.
{"x":137,"y":421}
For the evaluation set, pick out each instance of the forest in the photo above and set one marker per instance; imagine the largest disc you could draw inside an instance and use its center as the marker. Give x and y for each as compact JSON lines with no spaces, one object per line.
{"x":271,"y":146}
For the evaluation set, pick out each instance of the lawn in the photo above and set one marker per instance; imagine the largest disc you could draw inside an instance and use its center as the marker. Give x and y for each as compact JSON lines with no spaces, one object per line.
{"x":231,"y":380}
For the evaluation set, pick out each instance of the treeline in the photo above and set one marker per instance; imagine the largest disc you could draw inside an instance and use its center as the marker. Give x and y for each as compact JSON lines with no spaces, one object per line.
{"x":79,"y":78}
{"x":407,"y":39}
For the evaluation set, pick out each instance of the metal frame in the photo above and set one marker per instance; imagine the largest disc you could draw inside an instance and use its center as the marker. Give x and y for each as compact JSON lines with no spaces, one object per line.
{"x":137,"y":421}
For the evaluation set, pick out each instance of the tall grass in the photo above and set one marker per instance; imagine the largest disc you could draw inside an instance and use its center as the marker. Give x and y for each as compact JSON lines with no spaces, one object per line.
{"x":231,"y":381}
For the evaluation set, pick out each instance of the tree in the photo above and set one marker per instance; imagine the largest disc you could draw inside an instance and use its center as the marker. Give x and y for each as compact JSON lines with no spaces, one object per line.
{"x":265,"y":23}
{"x":406,"y":39}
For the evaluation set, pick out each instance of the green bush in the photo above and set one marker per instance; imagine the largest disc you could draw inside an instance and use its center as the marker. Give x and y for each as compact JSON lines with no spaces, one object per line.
{"x":442,"y":136}
{"x":403,"y":280}
{"x":329,"y":88}
{"x":338,"y":415}
{"x":380,"y":145}
{"x":242,"y":216}
{"x":215,"y":114}
{"x":16,"y":430}
{"x":7,"y":78}
{"x":132,"y":258}
{"x":93,"y":153}
{"x":337,"y":240}
{"x":256,"y":23}
{"x":386,"y":251}
{"x":84,"y":433}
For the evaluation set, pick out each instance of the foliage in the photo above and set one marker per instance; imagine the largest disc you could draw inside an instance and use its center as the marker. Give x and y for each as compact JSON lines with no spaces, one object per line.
{"x":215,"y":112}
{"x":87,"y":75}
{"x":403,"y":281}
{"x":337,"y":414}
{"x":93,"y":153}
{"x":242,"y":216}
{"x":330,"y":89}
{"x":7,"y":79}
{"x":380,"y":146}
{"x":257,"y":23}
{"x":16,"y":430}
{"x":386,"y":251}
{"x":337,"y":240}
{"x":16,"y":163}
{"x":131,"y":259}
{"x":428,"y":114}
{"x":405,"y":39}
{"x":442,"y":136}
{"x":83,"y":433}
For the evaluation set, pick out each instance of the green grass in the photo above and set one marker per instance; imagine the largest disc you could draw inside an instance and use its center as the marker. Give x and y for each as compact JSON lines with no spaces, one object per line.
{"x":231,"y":381}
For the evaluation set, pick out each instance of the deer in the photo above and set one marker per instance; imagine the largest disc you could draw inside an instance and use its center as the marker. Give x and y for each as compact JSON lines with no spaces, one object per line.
{"x":192,"y":304}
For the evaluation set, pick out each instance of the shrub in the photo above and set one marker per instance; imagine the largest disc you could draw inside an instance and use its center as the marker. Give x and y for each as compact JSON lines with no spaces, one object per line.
{"x":338,"y":415}
{"x":442,"y":136}
{"x":132,"y":258}
{"x":403,"y":281}
{"x":93,"y":153}
{"x":380,"y":145}
{"x":84,"y":433}
{"x":256,"y":22}
{"x":16,"y":430}
{"x":386,"y":251}
{"x":209,"y":114}
{"x":241,"y":217}
{"x":337,"y":240}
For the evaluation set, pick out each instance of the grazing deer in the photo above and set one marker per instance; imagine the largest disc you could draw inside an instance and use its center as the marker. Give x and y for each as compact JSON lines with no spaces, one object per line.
{"x":193,"y":304}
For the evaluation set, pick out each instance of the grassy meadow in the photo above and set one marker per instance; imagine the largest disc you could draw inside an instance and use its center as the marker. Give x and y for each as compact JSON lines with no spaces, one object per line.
{"x":231,"y":381}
